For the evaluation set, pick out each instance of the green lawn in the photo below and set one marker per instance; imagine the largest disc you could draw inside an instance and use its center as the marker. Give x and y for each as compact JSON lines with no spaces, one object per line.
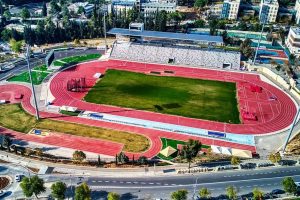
{"x":12,"y":116}
{"x":195,"y":98}
{"x":37,"y":77}
{"x":76,"y":59}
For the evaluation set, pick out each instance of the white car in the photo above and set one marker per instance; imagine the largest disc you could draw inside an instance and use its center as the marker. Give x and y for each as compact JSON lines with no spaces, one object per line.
{"x":18,"y":177}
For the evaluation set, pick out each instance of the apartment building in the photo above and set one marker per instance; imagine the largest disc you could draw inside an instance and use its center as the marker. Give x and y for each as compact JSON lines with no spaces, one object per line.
{"x":293,"y":41}
{"x":230,"y":9}
{"x":268,"y":11}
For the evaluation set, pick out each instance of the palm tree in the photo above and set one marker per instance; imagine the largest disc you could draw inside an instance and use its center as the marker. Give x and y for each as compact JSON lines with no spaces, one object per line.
{"x":190,"y":150}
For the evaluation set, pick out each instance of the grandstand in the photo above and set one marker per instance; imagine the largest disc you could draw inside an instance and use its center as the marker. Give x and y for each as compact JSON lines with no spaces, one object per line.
{"x":179,"y":55}
{"x":172,"y":48}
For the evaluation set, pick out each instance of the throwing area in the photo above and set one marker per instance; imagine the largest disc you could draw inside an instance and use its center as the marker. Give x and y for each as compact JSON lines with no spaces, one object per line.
{"x":194,"y":98}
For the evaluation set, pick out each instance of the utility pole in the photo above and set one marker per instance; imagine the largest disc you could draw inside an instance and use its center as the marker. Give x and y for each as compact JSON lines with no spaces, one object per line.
{"x":32,"y":86}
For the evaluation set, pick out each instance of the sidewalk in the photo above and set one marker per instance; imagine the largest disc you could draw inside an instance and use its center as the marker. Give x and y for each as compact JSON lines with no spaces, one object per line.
{"x":90,"y":171}
{"x":101,"y":172}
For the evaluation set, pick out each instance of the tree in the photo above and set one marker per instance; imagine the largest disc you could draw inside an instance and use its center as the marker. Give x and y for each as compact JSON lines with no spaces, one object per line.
{"x":7,"y":141}
{"x":143,"y":160}
{"x":32,"y":186}
{"x":122,"y":158}
{"x":190,"y":150}
{"x":38,"y":152}
{"x":6,"y":34}
{"x":200,"y":3}
{"x":99,"y":161}
{"x":54,"y":8}
{"x":289,"y":185}
{"x":246,"y":49}
{"x":161,"y":21}
{"x":113,"y":196}
{"x":83,"y":192}
{"x":235,"y":160}
{"x":16,"y":46}
{"x":204,"y":193}
{"x":175,"y":17}
{"x":281,"y":33}
{"x":179,"y":195}
{"x":199,"y":23}
{"x":231,"y":192}
{"x":80,"y":10}
{"x":275,"y":157}
{"x":292,"y":58}
{"x":58,"y":190}
{"x":7,"y":15}
{"x":213,"y":27}
{"x":79,"y":156}
{"x":25,"y":14}
{"x":257,"y":194}
{"x":44,"y":10}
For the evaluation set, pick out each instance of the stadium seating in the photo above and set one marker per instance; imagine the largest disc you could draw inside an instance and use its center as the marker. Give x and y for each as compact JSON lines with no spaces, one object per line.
{"x":182,"y":55}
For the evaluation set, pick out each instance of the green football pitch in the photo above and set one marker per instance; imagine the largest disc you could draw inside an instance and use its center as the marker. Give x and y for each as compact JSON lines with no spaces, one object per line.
{"x":194,"y":98}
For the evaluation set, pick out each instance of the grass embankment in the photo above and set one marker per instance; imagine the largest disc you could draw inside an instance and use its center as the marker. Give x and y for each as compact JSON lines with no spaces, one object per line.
{"x":14,"y":117}
{"x":76,"y":59}
{"x":39,"y":73}
{"x":195,"y":98}
{"x":174,"y":144}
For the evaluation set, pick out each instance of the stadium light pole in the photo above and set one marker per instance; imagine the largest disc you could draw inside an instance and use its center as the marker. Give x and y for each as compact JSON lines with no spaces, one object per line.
{"x":258,"y":44}
{"x":32,"y":86}
{"x":104,"y":10}
{"x":291,"y":130}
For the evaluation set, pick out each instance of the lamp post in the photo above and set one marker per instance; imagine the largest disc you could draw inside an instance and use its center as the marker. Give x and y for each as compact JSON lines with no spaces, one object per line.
{"x":32,"y":86}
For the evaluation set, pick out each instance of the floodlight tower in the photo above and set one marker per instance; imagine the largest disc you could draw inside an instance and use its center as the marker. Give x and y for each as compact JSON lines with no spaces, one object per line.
{"x":258,"y":44}
{"x":104,"y":9}
{"x":30,"y":78}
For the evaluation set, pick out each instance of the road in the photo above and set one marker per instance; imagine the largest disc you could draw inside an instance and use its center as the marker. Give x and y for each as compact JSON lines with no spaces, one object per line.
{"x":161,"y":187}
{"x":22,"y":66}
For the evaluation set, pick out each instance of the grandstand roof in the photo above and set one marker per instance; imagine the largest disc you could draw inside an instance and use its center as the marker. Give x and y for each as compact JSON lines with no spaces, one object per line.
{"x":166,"y":35}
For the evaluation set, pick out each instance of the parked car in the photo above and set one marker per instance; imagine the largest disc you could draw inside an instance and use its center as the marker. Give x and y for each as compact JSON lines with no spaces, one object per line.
{"x":287,"y":162}
{"x":18,"y":177}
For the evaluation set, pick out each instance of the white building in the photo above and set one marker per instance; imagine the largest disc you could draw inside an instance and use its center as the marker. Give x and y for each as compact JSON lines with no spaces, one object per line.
{"x":225,"y":10}
{"x":297,"y":9}
{"x":293,"y":41}
{"x":120,"y":5}
{"x":268,"y":11}
{"x":215,"y":10}
{"x":230,"y":9}
{"x":150,"y":8}
{"x":88,"y":8}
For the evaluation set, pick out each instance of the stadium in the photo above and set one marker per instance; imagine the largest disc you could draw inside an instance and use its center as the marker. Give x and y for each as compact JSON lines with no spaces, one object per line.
{"x":165,"y":86}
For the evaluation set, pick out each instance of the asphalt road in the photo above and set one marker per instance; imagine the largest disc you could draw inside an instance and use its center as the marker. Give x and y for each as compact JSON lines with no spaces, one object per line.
{"x":22,"y":66}
{"x":266,"y":179}
{"x":161,"y":187}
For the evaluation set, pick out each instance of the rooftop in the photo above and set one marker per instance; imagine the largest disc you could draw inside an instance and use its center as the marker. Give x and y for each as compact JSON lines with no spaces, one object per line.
{"x":166,"y":35}
{"x":271,"y":2}
{"x":296,"y":30}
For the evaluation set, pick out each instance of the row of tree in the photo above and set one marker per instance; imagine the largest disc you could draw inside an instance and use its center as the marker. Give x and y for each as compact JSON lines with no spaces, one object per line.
{"x":288,"y":185}
{"x":34,"y":186}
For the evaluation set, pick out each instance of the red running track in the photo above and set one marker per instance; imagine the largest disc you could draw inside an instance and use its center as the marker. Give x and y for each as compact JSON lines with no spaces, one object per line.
{"x":272,"y":115}
{"x":94,"y":145}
